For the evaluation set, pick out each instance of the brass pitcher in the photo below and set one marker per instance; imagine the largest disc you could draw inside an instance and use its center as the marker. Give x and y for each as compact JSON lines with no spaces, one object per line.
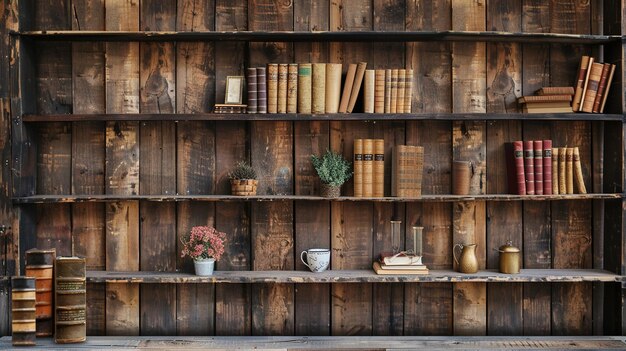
{"x":467,"y":261}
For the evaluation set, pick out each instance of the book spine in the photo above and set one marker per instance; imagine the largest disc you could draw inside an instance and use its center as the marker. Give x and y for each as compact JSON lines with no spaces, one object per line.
{"x":272,"y":88}
{"x":358,"y":167}
{"x":304,"y":88}
{"x":283,"y":72}
{"x":356,"y":87}
{"x":555,"y":171}
{"x":518,"y":164}
{"x":347,"y":88}
{"x":261,"y":86}
{"x":252,"y":90}
{"x":23,"y":299}
{"x":70,"y":296}
{"x":292,"y":88}
{"x":318,"y":75}
{"x":379,"y":91}
{"x":368,"y":167}
{"x":592,"y":87}
{"x":557,"y":90}
{"x":606,"y":69}
{"x":408,"y":91}
{"x":368,"y":91}
{"x":417,"y":171}
{"x":39,"y":264}
{"x":569,"y":170}
{"x":401,"y":88}
{"x":562,"y":177}
{"x":608,"y":88}
{"x":387,"y":91}
{"x":400,"y":163}
{"x":547,"y":167}
{"x":529,"y":169}
{"x":333,"y":87}
{"x":580,"y":182}
{"x":394,"y":91}
{"x":379,"y":168}
{"x":581,"y":82}
{"x":538,"y":157}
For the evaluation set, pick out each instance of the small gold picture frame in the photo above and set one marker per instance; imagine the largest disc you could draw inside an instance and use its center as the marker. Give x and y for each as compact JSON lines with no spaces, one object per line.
{"x":234,"y":90}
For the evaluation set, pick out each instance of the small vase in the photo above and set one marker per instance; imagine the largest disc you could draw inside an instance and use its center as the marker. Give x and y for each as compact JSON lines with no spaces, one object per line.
{"x":204,"y":267}
{"x":330,"y":191}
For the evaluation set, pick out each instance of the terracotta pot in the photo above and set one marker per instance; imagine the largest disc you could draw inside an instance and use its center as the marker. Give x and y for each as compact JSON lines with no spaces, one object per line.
{"x":243,"y":187}
{"x":330,"y":191}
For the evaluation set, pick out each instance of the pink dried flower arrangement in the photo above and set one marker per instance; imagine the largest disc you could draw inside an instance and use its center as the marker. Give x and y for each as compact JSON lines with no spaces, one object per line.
{"x":203,"y":242}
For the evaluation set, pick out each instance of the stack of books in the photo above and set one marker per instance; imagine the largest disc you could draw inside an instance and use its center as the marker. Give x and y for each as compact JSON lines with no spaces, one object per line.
{"x":369,"y":167}
{"x":399,"y":264}
{"x":407,"y":163}
{"x":548,"y":100}
{"x":592,"y":85}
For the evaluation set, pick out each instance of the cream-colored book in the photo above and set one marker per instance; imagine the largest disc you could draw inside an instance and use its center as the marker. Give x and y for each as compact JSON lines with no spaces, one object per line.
{"x":333,"y":87}
{"x":368,"y":91}
{"x":356,"y":87}
{"x":555,"y":171}
{"x":578,"y":172}
{"x":569,"y":170}
{"x":272,"y":88}
{"x":347,"y":88}
{"x":292,"y":88}
{"x":283,"y":72}
{"x":318,"y":104}
{"x":401,"y":88}
{"x":304,"y":88}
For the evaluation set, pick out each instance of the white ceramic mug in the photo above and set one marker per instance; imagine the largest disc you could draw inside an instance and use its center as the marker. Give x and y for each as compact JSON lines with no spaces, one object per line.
{"x":316,"y":259}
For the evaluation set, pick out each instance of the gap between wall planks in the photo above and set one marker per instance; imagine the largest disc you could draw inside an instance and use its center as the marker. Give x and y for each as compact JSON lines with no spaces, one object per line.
{"x":276,"y":310}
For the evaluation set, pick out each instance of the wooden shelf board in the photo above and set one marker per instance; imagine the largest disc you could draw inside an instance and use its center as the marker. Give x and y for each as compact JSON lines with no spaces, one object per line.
{"x":343,"y":36}
{"x":223,"y":198}
{"x":321,"y":117}
{"x":355,"y":276}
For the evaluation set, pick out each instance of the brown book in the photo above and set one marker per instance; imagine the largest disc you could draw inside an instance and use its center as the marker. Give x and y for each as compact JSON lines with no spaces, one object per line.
{"x":562,"y":173}
{"x":368,"y":167}
{"x":538,"y":166}
{"x":261,"y":85}
{"x":608,"y":88}
{"x":529,"y":167}
{"x":580,"y":182}
{"x":283,"y":72}
{"x":379,"y":168}
{"x":581,"y":81}
{"x":556,"y":91}
{"x":555,"y":171}
{"x":387,"y":91}
{"x":394,"y":91}
{"x":347,"y":88}
{"x":304,"y":88}
{"x":547,"y":167}
{"x":401,"y":88}
{"x":606,"y":70}
{"x":406,"y":171}
{"x":252,"y":90}
{"x":23,"y":311}
{"x":564,"y":109}
{"x":408,"y":91}
{"x":39,"y":264}
{"x":548,"y":104}
{"x":356,"y":87}
{"x":70,"y":297}
{"x":569,"y":170}
{"x":544,"y":98}
{"x":272,"y":88}
{"x":358,"y":167}
{"x":333,"y":87}
{"x":379,"y":91}
{"x":592,"y":87}
{"x":318,"y":104}
{"x":368,"y":91}
{"x":292,"y":88}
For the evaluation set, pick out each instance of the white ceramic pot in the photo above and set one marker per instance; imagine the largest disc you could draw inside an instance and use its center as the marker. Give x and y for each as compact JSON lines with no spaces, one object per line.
{"x":204,"y":267}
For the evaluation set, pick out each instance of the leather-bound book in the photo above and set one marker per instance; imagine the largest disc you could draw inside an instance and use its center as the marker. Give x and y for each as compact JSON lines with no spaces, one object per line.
{"x":515,"y":167}
{"x":538,"y":157}
{"x":261,"y":85}
{"x":592,"y":87}
{"x":547,"y":167}
{"x":379,"y":91}
{"x":39,"y":264}
{"x":347,"y":88}
{"x":562,"y":176}
{"x":283,"y":72}
{"x":401,"y":87}
{"x":408,"y":90}
{"x":23,"y":311}
{"x":608,"y":88}
{"x":252,"y":89}
{"x":387,"y":91}
{"x":556,"y":91}
{"x":368,"y":91}
{"x":368,"y":167}
{"x":529,"y":167}
{"x":555,"y":171}
{"x":333,"y":87}
{"x":70,"y":297}
{"x":356,"y":87}
{"x":606,"y":70}
{"x":318,"y":104}
{"x":578,"y":172}
{"x":583,"y":74}
{"x":394,"y":91}
{"x":406,"y":170}
{"x":379,"y":168}
{"x":304,"y":88}
{"x":358,"y":167}
{"x":292,"y":88}
{"x":272,"y":88}
{"x":569,"y":170}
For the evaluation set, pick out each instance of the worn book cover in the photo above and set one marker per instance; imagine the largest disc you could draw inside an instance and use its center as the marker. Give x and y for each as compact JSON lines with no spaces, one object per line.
{"x":292,"y":88}
{"x":272,"y":87}
{"x":304,"y":88}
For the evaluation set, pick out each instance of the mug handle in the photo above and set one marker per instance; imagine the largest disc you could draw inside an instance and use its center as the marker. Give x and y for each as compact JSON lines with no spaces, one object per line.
{"x":454,"y":252}
{"x":302,"y":254}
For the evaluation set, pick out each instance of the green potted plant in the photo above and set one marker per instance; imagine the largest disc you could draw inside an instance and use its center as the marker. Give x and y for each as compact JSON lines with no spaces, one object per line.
{"x":204,"y":245}
{"x":243,"y":179}
{"x":333,"y":170}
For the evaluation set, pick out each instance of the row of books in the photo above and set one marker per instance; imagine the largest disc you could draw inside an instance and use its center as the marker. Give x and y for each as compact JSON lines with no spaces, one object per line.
{"x":388,"y":91}
{"x":548,"y":100}
{"x":592,"y":85}
{"x":369,"y":167}
{"x":534,"y":167}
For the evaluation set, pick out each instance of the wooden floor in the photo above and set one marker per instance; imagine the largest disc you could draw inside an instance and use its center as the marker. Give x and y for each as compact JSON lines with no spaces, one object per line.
{"x":330,"y":343}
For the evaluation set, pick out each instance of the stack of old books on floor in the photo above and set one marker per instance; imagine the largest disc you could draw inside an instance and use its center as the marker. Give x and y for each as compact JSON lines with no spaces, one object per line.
{"x":400,"y":263}
{"x":548,"y":100}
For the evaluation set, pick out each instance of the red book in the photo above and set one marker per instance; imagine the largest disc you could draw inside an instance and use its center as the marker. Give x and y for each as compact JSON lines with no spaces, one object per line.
{"x":515,"y":167}
{"x":547,"y":167}
{"x":538,"y":157}
{"x":601,"y":87}
{"x":529,"y":169}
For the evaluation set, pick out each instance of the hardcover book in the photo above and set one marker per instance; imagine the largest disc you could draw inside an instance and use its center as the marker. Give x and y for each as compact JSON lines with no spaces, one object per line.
{"x":580,"y":181}
{"x":581,"y":82}
{"x":304,"y":88}
{"x":318,"y":104}
{"x":529,"y":167}
{"x":368,"y":167}
{"x":387,"y":91}
{"x":292,"y":88}
{"x":569,"y":170}
{"x":406,"y":171}
{"x":562,"y":176}
{"x":333,"y":87}
{"x":261,"y":85}
{"x":606,"y":70}
{"x":379,"y":168}
{"x":283,"y":72}
{"x":356,"y":87}
{"x":515,"y":167}
{"x":368,"y":91}
{"x":379,"y":91}
{"x":608,"y":88}
{"x":556,"y":91}
{"x":358,"y":167}
{"x":547,"y":167}
{"x":401,"y":88}
{"x":70,"y":297}
{"x":39,"y":264}
{"x":252,"y":90}
{"x":555,"y":171}
{"x":347,"y":88}
{"x":272,"y":87}
{"x":538,"y":156}
{"x":389,"y":270}
{"x":408,"y":91}
{"x":394,"y":91}
{"x":592,"y":87}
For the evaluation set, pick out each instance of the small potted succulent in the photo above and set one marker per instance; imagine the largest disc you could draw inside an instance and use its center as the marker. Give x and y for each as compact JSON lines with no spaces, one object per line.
{"x":204,"y":245}
{"x":243,"y":179}
{"x":333,"y":170}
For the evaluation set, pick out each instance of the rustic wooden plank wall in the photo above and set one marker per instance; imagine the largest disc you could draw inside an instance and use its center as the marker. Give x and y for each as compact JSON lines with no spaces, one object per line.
{"x":195,"y":157}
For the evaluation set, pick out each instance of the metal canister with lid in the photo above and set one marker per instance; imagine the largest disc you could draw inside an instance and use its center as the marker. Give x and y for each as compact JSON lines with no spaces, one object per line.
{"x":509,"y":258}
